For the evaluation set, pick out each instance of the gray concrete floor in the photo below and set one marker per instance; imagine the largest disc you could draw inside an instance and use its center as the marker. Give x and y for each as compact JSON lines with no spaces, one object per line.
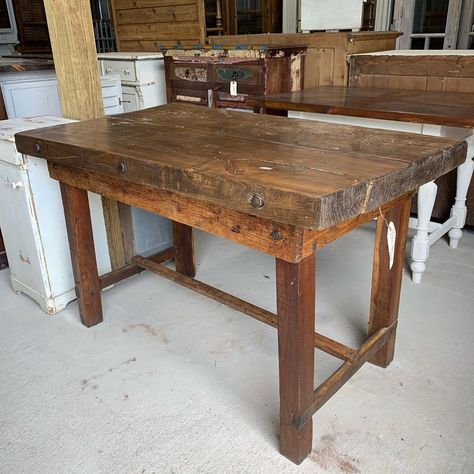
{"x":172,"y":382}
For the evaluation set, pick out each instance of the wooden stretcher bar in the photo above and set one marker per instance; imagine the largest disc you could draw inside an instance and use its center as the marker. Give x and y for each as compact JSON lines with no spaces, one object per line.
{"x":321,"y":342}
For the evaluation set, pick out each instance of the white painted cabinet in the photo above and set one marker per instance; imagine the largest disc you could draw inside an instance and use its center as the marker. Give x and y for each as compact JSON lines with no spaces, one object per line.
{"x":32,"y":222}
{"x":33,"y":95}
{"x":142,"y":76}
{"x":143,"y":86}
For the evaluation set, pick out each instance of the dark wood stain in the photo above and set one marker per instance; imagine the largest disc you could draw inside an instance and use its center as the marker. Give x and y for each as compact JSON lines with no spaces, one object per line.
{"x":447,"y":108}
{"x":309,"y":175}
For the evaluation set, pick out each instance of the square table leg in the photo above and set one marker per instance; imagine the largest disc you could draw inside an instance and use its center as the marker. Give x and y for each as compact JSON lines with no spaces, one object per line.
{"x":184,"y":249}
{"x":389,"y":260}
{"x":296,"y":289}
{"x":81,"y":244}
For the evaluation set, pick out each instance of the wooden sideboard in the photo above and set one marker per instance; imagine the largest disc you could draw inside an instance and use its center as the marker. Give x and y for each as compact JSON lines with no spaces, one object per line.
{"x":203,"y":75}
{"x":326,"y":55}
{"x":451,"y":71}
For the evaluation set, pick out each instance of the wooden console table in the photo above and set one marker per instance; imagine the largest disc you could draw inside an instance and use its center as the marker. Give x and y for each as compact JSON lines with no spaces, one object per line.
{"x":275,"y":185}
{"x":377,"y":107}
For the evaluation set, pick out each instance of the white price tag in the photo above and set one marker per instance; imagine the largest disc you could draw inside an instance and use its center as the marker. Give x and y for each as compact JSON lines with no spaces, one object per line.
{"x":233,"y":88}
{"x":391,"y":238}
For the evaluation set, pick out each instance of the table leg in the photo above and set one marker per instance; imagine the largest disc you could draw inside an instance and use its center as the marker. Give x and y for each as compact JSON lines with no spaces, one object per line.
{"x":296,"y":317}
{"x":184,"y":249}
{"x":81,"y":244}
{"x":420,"y":244}
{"x":387,"y":276}
{"x":459,"y":210}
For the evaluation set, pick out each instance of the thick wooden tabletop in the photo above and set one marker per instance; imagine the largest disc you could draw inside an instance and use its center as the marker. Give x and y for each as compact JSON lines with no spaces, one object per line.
{"x":299,"y":172}
{"x":439,"y":108}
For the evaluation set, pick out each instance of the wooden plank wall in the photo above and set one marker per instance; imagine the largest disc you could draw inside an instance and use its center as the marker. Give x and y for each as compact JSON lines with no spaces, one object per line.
{"x":146,"y":25}
{"x":415,"y":71}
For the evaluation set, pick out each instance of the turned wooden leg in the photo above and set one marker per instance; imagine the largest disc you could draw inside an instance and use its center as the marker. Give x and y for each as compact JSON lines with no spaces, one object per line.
{"x":459,"y":210}
{"x":296,"y":288}
{"x":184,"y":249}
{"x":81,"y":244}
{"x":389,"y":258}
{"x":420,"y":244}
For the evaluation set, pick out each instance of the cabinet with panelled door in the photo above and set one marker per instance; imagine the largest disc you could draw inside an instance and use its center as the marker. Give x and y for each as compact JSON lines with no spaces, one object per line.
{"x":226,"y":77}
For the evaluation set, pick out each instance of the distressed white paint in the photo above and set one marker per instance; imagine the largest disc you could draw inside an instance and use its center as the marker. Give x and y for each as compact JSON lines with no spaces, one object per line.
{"x":33,"y":95}
{"x":32,"y":222}
{"x":452,"y":24}
{"x":403,"y":17}
{"x":383,"y":17}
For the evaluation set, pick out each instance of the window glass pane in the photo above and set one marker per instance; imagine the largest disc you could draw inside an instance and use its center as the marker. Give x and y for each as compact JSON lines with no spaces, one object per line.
{"x":249,"y":16}
{"x":4,"y":18}
{"x":471,"y":37}
{"x":430,"y":16}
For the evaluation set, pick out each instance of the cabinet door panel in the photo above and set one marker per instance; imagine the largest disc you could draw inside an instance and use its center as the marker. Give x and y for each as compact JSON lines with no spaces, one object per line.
{"x":31,"y":98}
{"x":20,"y":232}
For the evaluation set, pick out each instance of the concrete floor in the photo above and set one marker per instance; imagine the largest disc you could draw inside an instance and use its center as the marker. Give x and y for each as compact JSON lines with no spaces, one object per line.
{"x":172,"y":382}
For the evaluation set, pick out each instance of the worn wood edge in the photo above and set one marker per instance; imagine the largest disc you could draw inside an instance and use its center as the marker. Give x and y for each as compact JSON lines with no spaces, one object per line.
{"x":321,"y":342}
{"x":280,"y":240}
{"x":384,"y":189}
{"x":432,"y":168}
{"x":399,"y":65}
{"x":335,"y":381}
{"x":119,"y":274}
{"x":402,"y":116}
{"x":320,"y":238}
{"x":376,"y":35}
{"x":302,"y":213}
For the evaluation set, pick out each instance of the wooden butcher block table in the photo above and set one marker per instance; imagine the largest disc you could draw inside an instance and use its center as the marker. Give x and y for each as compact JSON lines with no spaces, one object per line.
{"x":284,"y":187}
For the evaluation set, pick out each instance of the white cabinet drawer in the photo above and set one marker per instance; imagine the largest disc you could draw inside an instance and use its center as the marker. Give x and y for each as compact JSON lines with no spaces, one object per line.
{"x":125,"y":69}
{"x":130,"y":99}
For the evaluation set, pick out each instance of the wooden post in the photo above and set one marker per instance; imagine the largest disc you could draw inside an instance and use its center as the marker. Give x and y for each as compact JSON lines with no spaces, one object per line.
{"x":77,"y":70}
{"x":296,"y":288}
{"x":387,"y":276}
{"x":184,"y":249}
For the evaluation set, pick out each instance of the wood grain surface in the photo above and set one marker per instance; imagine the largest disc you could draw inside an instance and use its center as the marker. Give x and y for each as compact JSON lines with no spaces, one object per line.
{"x":438,"y":108}
{"x":307,"y":174}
